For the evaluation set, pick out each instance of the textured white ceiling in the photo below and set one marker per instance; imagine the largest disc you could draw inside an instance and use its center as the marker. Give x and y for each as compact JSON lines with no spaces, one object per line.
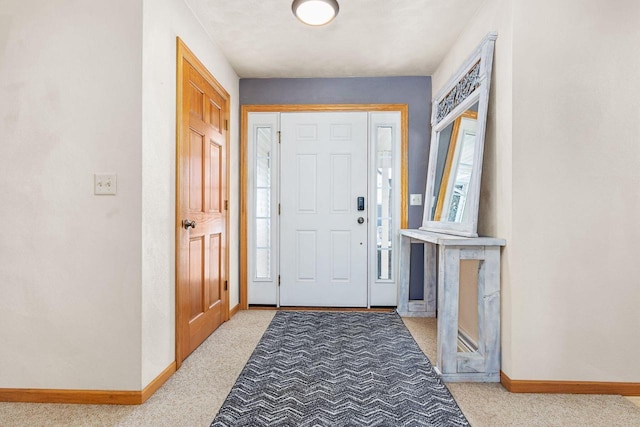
{"x":262,"y":38}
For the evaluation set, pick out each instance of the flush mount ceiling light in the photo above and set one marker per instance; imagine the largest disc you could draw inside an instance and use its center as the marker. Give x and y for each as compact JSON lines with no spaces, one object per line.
{"x":315,"y":12}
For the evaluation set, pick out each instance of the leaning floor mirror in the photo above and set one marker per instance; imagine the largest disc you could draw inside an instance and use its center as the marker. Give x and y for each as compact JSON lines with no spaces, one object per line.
{"x":458,"y":122}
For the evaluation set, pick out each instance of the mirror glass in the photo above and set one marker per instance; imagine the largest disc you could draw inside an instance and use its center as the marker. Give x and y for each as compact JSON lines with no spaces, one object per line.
{"x":454,"y":166}
{"x":458,"y":123}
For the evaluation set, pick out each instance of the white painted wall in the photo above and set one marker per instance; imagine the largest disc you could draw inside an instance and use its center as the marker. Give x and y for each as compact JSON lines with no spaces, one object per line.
{"x":576,"y":197}
{"x":163,"y":21}
{"x":560,"y":183}
{"x":87,"y":285}
{"x":70,"y":272}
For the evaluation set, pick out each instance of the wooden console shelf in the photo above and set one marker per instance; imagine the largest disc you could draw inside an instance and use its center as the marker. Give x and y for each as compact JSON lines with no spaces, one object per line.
{"x":482,"y":365}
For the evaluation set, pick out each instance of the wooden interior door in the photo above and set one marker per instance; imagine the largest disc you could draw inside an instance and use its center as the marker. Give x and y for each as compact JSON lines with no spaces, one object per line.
{"x":201,"y":214}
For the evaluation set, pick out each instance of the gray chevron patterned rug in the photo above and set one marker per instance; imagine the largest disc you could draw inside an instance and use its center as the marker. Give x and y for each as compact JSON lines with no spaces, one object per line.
{"x":338,"y":369}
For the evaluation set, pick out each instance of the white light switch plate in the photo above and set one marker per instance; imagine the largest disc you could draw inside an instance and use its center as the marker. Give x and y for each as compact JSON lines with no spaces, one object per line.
{"x":105,"y":184}
{"x":415,"y":199}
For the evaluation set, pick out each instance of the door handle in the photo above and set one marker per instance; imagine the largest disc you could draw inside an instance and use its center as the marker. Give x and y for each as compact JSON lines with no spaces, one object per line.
{"x":360,"y":220}
{"x":186,"y":224}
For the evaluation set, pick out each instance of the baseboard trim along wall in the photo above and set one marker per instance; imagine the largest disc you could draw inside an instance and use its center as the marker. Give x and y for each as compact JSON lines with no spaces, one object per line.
{"x":569,"y":387}
{"x":93,"y":397}
{"x":157,"y":382}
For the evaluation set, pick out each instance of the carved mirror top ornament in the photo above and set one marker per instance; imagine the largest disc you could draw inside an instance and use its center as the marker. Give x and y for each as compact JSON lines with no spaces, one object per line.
{"x":458,"y":124}
{"x":459,"y":93}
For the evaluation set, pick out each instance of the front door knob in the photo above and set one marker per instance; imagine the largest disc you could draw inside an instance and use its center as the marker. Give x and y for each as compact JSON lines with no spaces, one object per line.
{"x":360,"y":220}
{"x":186,"y":224}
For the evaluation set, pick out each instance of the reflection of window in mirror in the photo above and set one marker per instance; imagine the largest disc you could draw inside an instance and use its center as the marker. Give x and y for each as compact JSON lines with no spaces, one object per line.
{"x":456,"y":150}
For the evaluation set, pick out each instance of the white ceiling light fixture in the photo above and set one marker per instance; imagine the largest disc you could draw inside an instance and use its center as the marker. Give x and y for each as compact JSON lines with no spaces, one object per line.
{"x":315,"y":12}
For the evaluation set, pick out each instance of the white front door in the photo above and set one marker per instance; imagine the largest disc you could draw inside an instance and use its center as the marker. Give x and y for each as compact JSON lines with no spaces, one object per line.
{"x":323,"y":246}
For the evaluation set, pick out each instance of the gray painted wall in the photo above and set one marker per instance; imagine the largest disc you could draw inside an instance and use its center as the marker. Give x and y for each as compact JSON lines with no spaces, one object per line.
{"x":414,"y":91}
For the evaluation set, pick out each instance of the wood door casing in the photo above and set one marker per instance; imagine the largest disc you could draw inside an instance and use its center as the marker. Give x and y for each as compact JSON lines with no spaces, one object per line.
{"x":295,"y":108}
{"x":201,"y":196}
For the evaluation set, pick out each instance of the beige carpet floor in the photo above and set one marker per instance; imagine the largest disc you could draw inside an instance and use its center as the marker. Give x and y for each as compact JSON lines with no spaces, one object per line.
{"x":194,"y":394}
{"x":490,"y":405}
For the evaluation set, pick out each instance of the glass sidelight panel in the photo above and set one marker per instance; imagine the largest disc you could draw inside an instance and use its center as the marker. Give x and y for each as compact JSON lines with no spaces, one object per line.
{"x":263,"y":233}
{"x":263,"y":263}
{"x":262,"y":203}
{"x":384,"y":201}
{"x":263,"y":172}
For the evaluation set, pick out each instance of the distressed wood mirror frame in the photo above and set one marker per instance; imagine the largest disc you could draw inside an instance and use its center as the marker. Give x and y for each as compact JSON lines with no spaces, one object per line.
{"x":466,"y":93}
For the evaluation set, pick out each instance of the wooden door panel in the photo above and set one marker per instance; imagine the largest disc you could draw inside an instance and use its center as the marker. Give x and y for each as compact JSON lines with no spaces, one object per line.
{"x":196,"y":100}
{"x":201,"y":251}
{"x":215,"y":189}
{"x":215,"y":278}
{"x":196,"y":277}
{"x":216,"y":117}
{"x":196,"y":172}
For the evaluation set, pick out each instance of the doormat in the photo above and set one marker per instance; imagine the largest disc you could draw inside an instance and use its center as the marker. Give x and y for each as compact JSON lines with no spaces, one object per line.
{"x":338,"y":369}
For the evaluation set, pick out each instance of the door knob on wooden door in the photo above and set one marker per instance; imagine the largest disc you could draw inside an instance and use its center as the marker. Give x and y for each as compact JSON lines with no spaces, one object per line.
{"x":186,"y":224}
{"x":360,"y":220}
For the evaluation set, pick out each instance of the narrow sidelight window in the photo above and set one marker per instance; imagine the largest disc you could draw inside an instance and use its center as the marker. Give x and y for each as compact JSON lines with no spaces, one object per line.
{"x":262,"y":202}
{"x":384,"y":201}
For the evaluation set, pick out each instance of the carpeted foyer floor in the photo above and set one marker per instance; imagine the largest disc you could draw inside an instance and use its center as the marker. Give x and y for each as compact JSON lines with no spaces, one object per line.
{"x":194,"y":394}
